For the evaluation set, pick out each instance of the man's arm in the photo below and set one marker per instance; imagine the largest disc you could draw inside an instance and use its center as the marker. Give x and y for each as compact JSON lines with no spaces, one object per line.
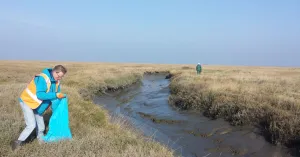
{"x":41,"y":89}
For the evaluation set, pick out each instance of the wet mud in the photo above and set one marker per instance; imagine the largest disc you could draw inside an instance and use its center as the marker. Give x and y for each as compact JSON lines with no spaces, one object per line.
{"x":190,"y":134}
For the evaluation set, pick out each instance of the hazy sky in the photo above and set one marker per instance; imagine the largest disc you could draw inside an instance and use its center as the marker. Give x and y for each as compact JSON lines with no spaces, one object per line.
{"x":230,"y":32}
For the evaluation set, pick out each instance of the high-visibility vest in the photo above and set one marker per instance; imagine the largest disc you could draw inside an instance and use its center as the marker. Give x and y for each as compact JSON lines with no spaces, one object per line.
{"x":29,"y":94}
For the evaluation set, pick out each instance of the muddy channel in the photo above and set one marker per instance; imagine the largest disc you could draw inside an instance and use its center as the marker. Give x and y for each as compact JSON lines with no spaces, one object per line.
{"x":190,"y":134}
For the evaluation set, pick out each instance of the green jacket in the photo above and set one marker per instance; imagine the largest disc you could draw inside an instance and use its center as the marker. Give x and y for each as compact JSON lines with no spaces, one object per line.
{"x":199,"y":68}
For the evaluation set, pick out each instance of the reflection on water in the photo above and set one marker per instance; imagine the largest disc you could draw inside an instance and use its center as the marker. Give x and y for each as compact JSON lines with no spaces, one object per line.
{"x":190,"y":134}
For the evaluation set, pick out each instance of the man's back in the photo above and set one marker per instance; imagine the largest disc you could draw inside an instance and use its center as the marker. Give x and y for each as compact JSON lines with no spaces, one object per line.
{"x":198,"y":67}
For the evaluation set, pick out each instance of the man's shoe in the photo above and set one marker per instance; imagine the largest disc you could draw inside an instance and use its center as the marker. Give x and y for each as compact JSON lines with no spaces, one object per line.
{"x":16,"y":144}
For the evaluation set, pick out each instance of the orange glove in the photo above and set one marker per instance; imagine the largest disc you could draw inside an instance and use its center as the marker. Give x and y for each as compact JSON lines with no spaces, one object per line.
{"x":60,"y":95}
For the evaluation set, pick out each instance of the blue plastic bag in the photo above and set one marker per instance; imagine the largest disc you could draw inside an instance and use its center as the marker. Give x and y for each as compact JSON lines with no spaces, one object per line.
{"x":59,"y":122}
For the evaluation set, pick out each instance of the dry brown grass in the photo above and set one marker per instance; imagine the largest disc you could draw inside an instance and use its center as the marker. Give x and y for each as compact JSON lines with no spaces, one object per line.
{"x":264,"y":96}
{"x":267,"y":96}
{"x":93,"y":133}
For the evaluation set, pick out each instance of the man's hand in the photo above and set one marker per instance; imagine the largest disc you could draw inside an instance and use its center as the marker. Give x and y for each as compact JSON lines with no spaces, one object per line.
{"x":60,"y":95}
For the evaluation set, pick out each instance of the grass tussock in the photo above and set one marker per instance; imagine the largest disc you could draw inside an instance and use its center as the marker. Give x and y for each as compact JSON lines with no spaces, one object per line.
{"x":93,"y":133}
{"x":263,"y":96}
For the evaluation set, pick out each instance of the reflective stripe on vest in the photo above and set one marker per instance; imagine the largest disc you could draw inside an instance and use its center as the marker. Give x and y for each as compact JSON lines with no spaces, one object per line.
{"x":29,"y":94}
{"x":34,"y":97}
{"x":48,"y":82}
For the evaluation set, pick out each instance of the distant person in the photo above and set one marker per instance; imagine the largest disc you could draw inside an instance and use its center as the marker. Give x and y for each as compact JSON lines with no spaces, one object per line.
{"x":198,"y":69}
{"x":36,"y":98}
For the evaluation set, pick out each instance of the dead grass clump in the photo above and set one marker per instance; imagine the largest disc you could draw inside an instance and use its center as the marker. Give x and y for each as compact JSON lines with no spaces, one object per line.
{"x":262,"y":96}
{"x":93,"y":133}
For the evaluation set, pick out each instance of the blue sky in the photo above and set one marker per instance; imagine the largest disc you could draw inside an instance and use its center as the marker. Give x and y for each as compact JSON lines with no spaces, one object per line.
{"x":231,"y":32}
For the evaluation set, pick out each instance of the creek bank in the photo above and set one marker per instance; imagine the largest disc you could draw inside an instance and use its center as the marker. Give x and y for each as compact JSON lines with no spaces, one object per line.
{"x":278,"y":127}
{"x":189,"y":133}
